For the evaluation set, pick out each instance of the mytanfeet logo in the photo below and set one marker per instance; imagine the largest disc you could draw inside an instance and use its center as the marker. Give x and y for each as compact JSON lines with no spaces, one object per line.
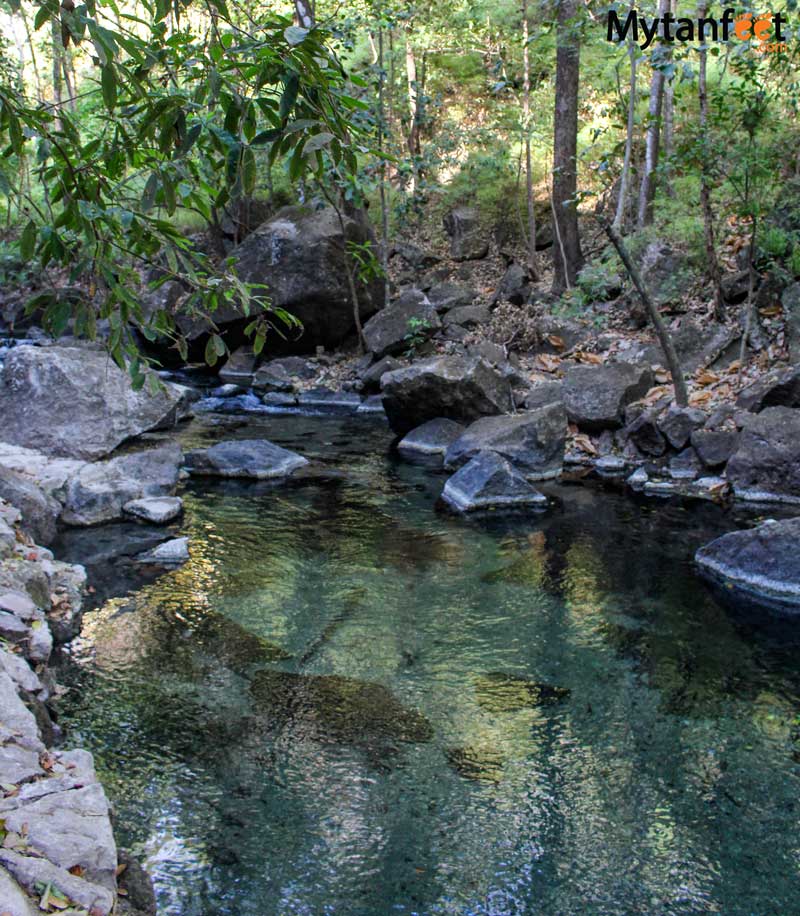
{"x":767,"y":32}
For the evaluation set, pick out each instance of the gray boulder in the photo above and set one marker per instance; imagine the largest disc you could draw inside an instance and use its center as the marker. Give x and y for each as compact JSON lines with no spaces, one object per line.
{"x":515,"y":286}
{"x":283,"y":374}
{"x":371,"y":379}
{"x":780,"y":388}
{"x":762,"y":564}
{"x":77,"y":403}
{"x":678,"y":423}
{"x":532,"y":441}
{"x":299,"y":255}
{"x":644,"y":433}
{"x":468,"y":242}
{"x":456,"y":387}
{"x":488,"y":481}
{"x":714,"y":446}
{"x":99,"y":491}
{"x":39,"y":510}
{"x":386,"y":332}
{"x":432,"y":438}
{"x":766,"y":464}
{"x":174,"y":552}
{"x":240,"y":367}
{"x":595,"y":396}
{"x":447,"y":295}
{"x":467,"y":315}
{"x":256,"y":458}
{"x":155,"y":510}
{"x":543,"y":394}
{"x":328,"y":400}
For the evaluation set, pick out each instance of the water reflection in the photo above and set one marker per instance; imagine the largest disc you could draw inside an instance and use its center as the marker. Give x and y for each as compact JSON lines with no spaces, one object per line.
{"x":347,"y":703}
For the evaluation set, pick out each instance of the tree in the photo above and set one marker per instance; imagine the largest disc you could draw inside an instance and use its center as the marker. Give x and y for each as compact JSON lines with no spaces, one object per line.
{"x":533,"y":266}
{"x":568,"y":255}
{"x":647,"y":188}
{"x":624,"y":179}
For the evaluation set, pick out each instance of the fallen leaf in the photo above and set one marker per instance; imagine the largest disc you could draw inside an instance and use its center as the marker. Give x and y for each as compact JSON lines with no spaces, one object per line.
{"x":555,"y":341}
{"x":549,"y":362}
{"x":585,"y":444}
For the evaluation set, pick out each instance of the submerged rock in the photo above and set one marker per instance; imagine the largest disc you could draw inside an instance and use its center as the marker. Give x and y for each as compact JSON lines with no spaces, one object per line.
{"x":761,"y":565}
{"x":489,"y":481}
{"x":455,"y":387}
{"x":532,"y":441}
{"x":498,"y":691}
{"x":77,"y":403}
{"x":432,"y":438}
{"x":171,"y":553}
{"x":481,"y":764}
{"x":341,"y":710}
{"x":256,"y":458}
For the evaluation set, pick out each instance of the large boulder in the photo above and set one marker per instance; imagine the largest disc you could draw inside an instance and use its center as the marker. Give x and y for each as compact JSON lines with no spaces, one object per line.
{"x":532,"y":441}
{"x":299,"y":255}
{"x":99,"y":492}
{"x":431,"y":439}
{"x":766,"y":465}
{"x":77,"y":403}
{"x":780,"y":388}
{"x":467,"y":239}
{"x":39,"y":509}
{"x":595,"y":396}
{"x":488,"y":481}
{"x":371,"y":379}
{"x":714,"y":447}
{"x":256,"y":458}
{"x":389,"y":331}
{"x":761,"y":565}
{"x":456,"y":387}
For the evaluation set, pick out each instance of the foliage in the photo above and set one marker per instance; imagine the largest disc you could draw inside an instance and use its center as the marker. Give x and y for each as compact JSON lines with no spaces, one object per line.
{"x":418,"y":332}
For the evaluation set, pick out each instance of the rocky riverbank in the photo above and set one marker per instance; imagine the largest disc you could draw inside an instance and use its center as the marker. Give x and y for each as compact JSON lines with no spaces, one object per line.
{"x":58,"y":851}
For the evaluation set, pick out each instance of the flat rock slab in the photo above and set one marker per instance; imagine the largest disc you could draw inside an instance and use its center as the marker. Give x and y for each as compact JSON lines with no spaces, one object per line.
{"x":157,"y":511}
{"x":432,"y":438}
{"x":256,"y":458}
{"x":763,"y":564}
{"x":488,"y":481}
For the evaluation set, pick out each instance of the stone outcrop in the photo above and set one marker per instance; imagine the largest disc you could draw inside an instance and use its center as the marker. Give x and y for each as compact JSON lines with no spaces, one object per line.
{"x":459,"y":388}
{"x":77,"y":403}
{"x":761,"y":565}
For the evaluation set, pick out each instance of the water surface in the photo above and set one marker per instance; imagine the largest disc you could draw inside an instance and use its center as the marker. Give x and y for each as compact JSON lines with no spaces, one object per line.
{"x":349,"y":703}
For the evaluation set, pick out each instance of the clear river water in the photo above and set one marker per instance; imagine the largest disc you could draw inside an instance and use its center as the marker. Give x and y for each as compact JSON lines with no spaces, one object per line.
{"x":349,"y":702}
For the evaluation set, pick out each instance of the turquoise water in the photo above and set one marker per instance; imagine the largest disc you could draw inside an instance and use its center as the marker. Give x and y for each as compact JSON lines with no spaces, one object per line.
{"x":351,"y":703}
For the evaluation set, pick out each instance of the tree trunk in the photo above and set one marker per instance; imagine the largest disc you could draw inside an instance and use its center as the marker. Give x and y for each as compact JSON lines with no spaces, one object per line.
{"x":533,"y":266}
{"x":624,"y":180}
{"x":673,"y":364}
{"x":653,"y":136}
{"x":669,"y":120}
{"x":34,"y":62}
{"x":568,"y":259}
{"x":381,"y":135}
{"x":705,"y":188}
{"x":58,"y":68}
{"x":304,"y":13}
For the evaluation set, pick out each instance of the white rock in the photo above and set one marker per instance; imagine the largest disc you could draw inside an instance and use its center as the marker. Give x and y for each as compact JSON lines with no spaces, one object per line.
{"x":156,"y":510}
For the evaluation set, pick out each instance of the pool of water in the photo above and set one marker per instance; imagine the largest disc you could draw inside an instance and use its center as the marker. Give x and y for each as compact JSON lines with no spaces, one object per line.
{"x":351,"y":703}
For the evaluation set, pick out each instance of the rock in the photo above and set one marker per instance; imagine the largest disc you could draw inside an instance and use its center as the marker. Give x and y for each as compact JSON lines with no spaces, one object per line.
{"x":99,"y":491}
{"x":766,"y":464}
{"x":415,"y":256}
{"x":660,"y":488}
{"x":667,"y":274}
{"x":225,"y":391}
{"x":455,"y":387}
{"x":515,"y":287}
{"x":595,"y":396}
{"x":645,"y":434}
{"x":282,"y":374}
{"x":432,"y":438}
{"x":610,"y":465}
{"x":371,"y":379}
{"x":543,"y":394}
{"x":279,"y":401}
{"x":735,"y":287}
{"x":240,"y":367}
{"x":791,"y":314}
{"x":697,"y":345}
{"x":14,"y":714}
{"x":299,"y":255}
{"x":714,"y":447}
{"x":780,"y":388}
{"x":372,"y":405}
{"x":328,"y":401}
{"x":256,"y":458}
{"x":493,"y":353}
{"x":388,"y":331}
{"x":35,"y":873}
{"x":13,"y":900}
{"x":638,"y":479}
{"x":557,"y":335}
{"x":761,"y":564}
{"x":156,"y":511}
{"x":467,"y":315}
{"x":40,"y":511}
{"x":76,"y":403}
{"x":685,"y":466}
{"x":140,"y":895}
{"x":679,"y":422}
{"x":467,"y":239}
{"x":446,"y":295}
{"x":67,"y":590}
{"x":488,"y":481}
{"x":170,"y":553}
{"x":22,"y":675}
{"x":532,"y":441}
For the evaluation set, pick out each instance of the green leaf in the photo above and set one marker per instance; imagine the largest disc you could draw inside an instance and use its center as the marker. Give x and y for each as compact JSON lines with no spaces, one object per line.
{"x":219,"y":345}
{"x":295,"y":34}
{"x":317,"y":142}
{"x":249,"y":170}
{"x":211,"y":352}
{"x":289,"y":97}
{"x":27,"y":243}
{"x":108,"y":83}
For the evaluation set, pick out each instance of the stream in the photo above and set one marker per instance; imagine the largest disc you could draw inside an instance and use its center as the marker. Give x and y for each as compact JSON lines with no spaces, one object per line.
{"x":351,"y":703}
